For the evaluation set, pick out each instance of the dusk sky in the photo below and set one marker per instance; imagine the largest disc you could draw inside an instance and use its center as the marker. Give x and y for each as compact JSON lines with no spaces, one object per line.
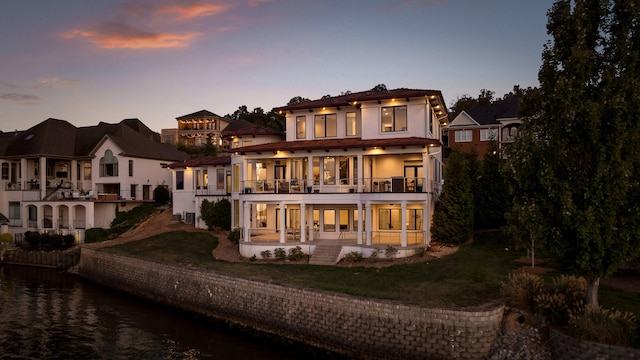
{"x":155,"y":60}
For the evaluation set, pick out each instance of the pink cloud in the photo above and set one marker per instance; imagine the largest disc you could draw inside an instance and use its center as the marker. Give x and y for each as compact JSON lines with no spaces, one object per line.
{"x":120,"y":36}
{"x":190,"y":11}
{"x":22,"y":99}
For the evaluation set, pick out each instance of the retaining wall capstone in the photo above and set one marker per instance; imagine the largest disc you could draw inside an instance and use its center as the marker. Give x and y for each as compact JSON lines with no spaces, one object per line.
{"x":357,"y":327}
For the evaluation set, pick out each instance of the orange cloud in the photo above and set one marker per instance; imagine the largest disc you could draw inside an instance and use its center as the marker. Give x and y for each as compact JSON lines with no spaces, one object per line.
{"x":190,"y":11}
{"x":119,"y":36}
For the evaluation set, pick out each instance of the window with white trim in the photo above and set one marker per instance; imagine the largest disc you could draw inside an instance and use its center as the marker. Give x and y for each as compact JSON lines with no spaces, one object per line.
{"x":325,"y":125}
{"x":301,"y":129}
{"x":394,"y":118}
{"x":352,"y":125}
{"x":488,"y":134}
{"x":464,"y":135}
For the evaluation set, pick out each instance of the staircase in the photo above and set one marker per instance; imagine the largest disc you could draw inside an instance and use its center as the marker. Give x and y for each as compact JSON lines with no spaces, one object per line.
{"x":325,"y":254}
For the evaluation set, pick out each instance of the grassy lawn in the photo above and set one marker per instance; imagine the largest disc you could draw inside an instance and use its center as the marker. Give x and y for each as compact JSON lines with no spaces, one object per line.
{"x":469,"y":277}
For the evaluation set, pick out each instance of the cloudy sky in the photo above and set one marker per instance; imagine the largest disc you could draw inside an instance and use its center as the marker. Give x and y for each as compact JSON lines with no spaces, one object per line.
{"x":87,"y":61}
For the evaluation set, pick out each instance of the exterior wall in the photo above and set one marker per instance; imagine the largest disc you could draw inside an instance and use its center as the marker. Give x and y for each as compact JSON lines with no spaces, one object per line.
{"x":360,"y":328}
{"x":480,"y":147}
{"x":104,"y":213}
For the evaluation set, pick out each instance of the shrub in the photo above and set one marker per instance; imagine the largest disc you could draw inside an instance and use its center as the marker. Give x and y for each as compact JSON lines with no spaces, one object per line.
{"x":421,"y":251}
{"x":375,"y":253}
{"x":296,"y":254}
{"x":6,"y":238}
{"x":266,"y":254}
{"x":608,"y":327}
{"x":280,"y":253}
{"x":95,"y":235}
{"x":520,"y":289}
{"x":390,"y":252}
{"x":253,"y":258}
{"x":161,"y":194}
{"x":353,"y":256}
{"x":234,"y":236}
{"x":562,"y":297}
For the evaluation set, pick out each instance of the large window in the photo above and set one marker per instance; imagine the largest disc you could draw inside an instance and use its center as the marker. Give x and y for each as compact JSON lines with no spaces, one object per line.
{"x":301,"y":128}
{"x":390,"y":219}
{"x":352,"y":125}
{"x":325,"y":125}
{"x":464,"y":135}
{"x":14,"y":211}
{"x":394,"y":118}
{"x":180,"y":180}
{"x":488,"y":134}
{"x":130,"y":167}
{"x":5,"y":171}
{"x":108,"y":164}
{"x":329,"y":168}
{"x":344,"y":170}
{"x":87,"y":171}
{"x":329,"y":217}
{"x":220,"y":178}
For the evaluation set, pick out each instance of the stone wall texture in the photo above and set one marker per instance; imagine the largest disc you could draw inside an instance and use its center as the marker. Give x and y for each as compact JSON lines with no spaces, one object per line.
{"x":566,"y":347}
{"x":356,"y":327}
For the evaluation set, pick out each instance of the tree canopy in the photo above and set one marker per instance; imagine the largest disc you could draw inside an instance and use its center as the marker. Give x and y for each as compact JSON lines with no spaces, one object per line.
{"x":575,"y":165}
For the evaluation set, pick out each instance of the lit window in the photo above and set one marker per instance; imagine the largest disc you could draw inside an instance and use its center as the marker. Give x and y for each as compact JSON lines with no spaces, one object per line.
{"x":352,"y":126}
{"x":394,"y":118}
{"x":301,"y":129}
{"x":325,"y":125}
{"x":464,"y":136}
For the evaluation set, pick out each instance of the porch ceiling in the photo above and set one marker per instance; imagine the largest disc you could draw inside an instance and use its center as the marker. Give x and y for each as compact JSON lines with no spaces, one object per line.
{"x":330,"y":144}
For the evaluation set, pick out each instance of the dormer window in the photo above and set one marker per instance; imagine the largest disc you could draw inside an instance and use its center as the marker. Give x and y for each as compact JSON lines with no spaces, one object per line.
{"x":394,"y":118}
{"x":108,"y":164}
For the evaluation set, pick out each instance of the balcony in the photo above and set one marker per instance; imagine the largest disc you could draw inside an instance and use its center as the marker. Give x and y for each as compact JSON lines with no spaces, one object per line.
{"x":394,"y":184}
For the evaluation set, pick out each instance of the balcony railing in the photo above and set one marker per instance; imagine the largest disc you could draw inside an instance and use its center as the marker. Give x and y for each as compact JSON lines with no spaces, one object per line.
{"x":394,"y":184}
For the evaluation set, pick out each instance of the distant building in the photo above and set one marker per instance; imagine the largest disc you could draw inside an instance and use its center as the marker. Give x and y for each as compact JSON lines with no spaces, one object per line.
{"x":56,"y":177}
{"x":196,"y":129}
{"x":473,"y":129}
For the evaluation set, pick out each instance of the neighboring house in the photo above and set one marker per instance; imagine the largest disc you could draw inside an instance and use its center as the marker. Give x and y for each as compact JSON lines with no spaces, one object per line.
{"x":361,"y":171}
{"x":209,"y":178}
{"x":474,"y":129}
{"x":61,"y":178}
{"x":196,"y":129}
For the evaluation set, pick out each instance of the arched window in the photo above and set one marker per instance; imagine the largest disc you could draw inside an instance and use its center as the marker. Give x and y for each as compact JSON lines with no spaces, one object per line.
{"x":108,"y":164}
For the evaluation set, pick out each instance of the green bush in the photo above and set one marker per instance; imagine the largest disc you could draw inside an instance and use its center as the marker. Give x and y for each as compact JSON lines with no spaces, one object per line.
{"x":520,"y":289}
{"x":47,"y":242}
{"x":161,"y":194}
{"x":421,"y":251}
{"x":216,"y":214}
{"x":266,"y":254}
{"x":296,"y":254}
{"x":94,"y":235}
{"x":280,"y":253}
{"x":390,"y":252}
{"x":234,"y":236}
{"x":375,"y":253}
{"x":353,"y":256}
{"x":608,"y":327}
{"x":562,"y":297}
{"x":6,"y":238}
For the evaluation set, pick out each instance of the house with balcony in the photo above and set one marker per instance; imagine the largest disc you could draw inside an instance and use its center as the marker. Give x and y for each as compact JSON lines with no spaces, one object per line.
{"x":196,"y":129}
{"x":356,"y":172}
{"x":209,"y":178}
{"x":56,"y":177}
{"x":473,"y":130}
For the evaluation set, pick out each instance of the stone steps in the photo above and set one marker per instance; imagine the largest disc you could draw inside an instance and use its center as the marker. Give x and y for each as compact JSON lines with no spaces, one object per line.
{"x":325,"y":254}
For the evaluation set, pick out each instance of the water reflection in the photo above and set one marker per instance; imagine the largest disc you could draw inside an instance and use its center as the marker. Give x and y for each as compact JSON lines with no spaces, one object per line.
{"x":46,"y":314}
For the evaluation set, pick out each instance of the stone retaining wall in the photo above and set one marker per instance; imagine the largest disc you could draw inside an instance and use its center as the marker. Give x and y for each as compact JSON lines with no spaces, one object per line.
{"x":360,"y":328}
{"x":566,"y":347}
{"x":48,"y":259}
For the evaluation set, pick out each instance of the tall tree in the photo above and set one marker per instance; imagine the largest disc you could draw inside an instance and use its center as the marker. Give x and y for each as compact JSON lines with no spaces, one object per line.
{"x":490,"y":194}
{"x":453,"y":216}
{"x":575,"y":165}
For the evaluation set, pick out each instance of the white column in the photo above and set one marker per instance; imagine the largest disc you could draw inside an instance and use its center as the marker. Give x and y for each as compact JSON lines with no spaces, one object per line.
{"x":246,"y":221}
{"x":40,"y":216}
{"x":311,"y":228}
{"x":42,"y":172}
{"x":360,"y":218}
{"x":426,"y":221}
{"x":426,"y":173}
{"x":283,"y":224}
{"x":303,"y":222}
{"x":403,"y":219}
{"x":72,"y":217}
{"x":369,"y":220}
{"x":23,"y":173}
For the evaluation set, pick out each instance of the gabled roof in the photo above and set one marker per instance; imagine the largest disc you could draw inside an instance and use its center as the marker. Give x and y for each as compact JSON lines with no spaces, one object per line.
{"x":329,"y":144}
{"x":199,"y":115}
{"x":434,"y":96}
{"x":221,"y":160}
{"x":58,"y":138}
{"x":492,"y":113}
{"x":243,"y":127}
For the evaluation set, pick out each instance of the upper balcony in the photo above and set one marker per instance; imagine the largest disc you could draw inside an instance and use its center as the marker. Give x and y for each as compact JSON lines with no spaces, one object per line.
{"x":393,"y":184}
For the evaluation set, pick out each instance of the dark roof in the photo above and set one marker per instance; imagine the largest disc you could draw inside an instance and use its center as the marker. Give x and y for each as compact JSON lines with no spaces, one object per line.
{"x":243,"y":127}
{"x":329,"y":144}
{"x":490,"y":114}
{"x":349,"y":99}
{"x":202,"y":161}
{"x":58,"y":138}
{"x":199,"y":115}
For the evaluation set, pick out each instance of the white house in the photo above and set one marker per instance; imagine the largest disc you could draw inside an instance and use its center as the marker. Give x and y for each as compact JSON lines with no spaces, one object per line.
{"x":357,"y":172}
{"x":56,"y":177}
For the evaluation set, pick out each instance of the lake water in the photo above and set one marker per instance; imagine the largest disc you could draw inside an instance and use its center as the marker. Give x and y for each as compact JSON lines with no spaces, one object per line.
{"x":48,"y":314}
